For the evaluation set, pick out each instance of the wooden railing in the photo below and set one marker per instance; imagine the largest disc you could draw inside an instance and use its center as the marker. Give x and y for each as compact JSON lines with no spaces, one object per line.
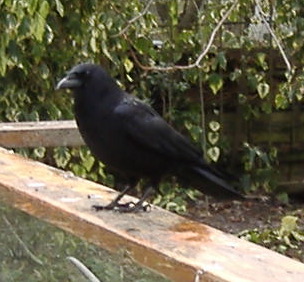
{"x":179,"y":248}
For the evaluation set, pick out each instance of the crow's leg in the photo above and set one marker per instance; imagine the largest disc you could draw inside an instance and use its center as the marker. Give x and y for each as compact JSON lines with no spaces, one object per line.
{"x":115,"y":203}
{"x":136,"y":207}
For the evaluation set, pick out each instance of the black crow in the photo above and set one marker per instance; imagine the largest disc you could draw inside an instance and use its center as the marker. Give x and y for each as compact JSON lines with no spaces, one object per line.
{"x":134,"y":141}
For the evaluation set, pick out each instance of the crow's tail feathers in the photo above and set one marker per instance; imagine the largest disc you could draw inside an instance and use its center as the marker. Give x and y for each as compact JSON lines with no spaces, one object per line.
{"x":211,"y":183}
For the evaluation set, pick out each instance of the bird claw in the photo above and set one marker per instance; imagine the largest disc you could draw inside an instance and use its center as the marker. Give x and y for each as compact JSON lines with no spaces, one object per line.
{"x":147,"y":208}
{"x":124,"y":208}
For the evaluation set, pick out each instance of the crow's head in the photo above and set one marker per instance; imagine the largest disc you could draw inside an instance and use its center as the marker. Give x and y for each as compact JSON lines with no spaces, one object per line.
{"x":82,"y":75}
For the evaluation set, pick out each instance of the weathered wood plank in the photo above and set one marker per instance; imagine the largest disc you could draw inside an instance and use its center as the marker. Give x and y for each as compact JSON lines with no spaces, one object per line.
{"x":286,"y":128}
{"x":42,"y":133}
{"x":166,"y":242}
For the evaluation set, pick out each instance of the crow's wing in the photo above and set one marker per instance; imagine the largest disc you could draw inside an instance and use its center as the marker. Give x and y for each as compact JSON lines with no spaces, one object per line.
{"x":147,"y":128}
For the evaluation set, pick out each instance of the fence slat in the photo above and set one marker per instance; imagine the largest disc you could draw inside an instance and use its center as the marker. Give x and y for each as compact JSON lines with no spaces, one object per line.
{"x":42,"y":133}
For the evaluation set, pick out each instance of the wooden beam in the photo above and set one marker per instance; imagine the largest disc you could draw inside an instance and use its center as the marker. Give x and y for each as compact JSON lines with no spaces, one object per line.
{"x":42,"y":133}
{"x":65,"y":132}
{"x":170,"y":244}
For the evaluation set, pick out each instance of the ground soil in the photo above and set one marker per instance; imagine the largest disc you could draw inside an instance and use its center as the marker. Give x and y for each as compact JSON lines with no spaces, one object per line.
{"x":260,"y":213}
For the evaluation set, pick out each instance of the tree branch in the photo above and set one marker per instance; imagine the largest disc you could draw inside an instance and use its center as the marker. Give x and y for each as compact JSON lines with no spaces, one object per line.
{"x":262,"y":17}
{"x":199,"y":58}
{"x":141,"y":14}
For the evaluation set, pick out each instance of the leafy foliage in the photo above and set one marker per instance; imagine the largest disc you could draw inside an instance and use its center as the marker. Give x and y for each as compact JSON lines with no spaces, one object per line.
{"x":260,"y":168}
{"x":288,"y":237}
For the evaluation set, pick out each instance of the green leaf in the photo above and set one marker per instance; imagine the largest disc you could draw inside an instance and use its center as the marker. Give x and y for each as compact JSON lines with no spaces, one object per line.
{"x":44,"y":9}
{"x":39,"y":152}
{"x":288,"y":224}
{"x":242,"y":98}
{"x":62,"y":156}
{"x":215,"y":82}
{"x":128,"y":64}
{"x":213,"y":153}
{"x":261,"y":59}
{"x":222,"y":61}
{"x":24,"y":27}
{"x":39,"y":22}
{"x":263,"y":89}
{"x":106,"y":51}
{"x":32,"y":6}
{"x":143,"y":45}
{"x":93,"y":44}
{"x":214,"y":125}
{"x":59,"y":8}
{"x":38,"y":25}
{"x":235,"y":75}
{"x":299,"y":237}
{"x":44,"y":71}
{"x":88,"y":163}
{"x":3,"y":62}
{"x":78,"y":170}
{"x":266,"y":107}
{"x":213,"y":137}
{"x":283,"y":197}
{"x":281,"y":101}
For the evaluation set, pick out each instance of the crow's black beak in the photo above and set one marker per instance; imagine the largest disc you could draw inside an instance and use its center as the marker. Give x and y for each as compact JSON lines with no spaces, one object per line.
{"x":69,"y":82}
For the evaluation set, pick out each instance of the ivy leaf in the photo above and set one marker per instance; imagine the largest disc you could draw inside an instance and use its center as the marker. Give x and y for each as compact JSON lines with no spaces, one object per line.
{"x":32,"y":6}
{"x":281,"y":101}
{"x":78,"y":169}
{"x":3,"y":62}
{"x":62,"y":156}
{"x":44,"y":71}
{"x":261,"y":59}
{"x":38,"y":24}
{"x":38,"y":27}
{"x":44,"y":9}
{"x":213,"y":137}
{"x":288,"y":224}
{"x":106,"y":51}
{"x":214,"y":125}
{"x":128,"y":64}
{"x":222,"y":61}
{"x":215,"y":82}
{"x":88,"y":163}
{"x":39,"y":152}
{"x":263,"y":89}
{"x":59,"y":8}
{"x":93,"y":44}
{"x":143,"y":45}
{"x":297,"y":236}
{"x":213,"y":153}
{"x":235,"y":75}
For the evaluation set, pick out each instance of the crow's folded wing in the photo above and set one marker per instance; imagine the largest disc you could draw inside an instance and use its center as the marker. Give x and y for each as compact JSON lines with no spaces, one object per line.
{"x":149,"y":130}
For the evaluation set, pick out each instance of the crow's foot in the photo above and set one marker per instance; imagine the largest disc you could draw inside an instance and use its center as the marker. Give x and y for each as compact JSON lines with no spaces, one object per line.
{"x":127,"y":207}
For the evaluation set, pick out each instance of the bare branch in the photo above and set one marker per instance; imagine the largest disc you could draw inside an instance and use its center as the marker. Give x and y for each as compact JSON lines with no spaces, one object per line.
{"x":211,"y":39}
{"x":199,"y":58}
{"x":141,"y":14}
{"x":261,"y":14}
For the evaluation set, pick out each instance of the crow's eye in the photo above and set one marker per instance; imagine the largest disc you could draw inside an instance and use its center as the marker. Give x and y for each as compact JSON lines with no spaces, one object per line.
{"x":79,"y":75}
